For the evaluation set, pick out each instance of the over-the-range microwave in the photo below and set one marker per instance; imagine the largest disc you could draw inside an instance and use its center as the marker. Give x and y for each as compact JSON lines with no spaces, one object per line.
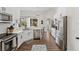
{"x":5,"y":17}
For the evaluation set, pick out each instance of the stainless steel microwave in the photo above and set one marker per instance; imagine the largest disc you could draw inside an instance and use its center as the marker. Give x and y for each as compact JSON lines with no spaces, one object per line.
{"x":5,"y":17}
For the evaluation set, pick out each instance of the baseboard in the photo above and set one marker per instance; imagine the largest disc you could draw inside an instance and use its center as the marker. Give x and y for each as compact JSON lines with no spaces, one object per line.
{"x":36,"y":38}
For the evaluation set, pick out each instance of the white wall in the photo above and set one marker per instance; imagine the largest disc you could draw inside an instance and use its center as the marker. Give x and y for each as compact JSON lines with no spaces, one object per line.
{"x":50,"y":15}
{"x":41,"y":15}
{"x":33,"y":14}
{"x":73,"y":29}
{"x":3,"y":26}
{"x":15,"y":12}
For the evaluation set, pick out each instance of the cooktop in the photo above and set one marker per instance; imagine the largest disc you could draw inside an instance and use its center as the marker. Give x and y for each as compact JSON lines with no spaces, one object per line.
{"x":5,"y":36}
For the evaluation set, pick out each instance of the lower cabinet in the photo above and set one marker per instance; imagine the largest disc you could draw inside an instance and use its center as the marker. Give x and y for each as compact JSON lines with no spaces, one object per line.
{"x":30,"y":34}
{"x":24,"y":36}
{"x":19,"y":37}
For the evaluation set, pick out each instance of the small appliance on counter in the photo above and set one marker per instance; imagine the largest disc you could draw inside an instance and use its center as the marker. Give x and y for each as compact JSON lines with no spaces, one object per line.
{"x":9,"y":30}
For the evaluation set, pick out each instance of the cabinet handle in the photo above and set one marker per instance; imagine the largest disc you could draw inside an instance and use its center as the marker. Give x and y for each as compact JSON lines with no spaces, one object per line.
{"x":77,"y":37}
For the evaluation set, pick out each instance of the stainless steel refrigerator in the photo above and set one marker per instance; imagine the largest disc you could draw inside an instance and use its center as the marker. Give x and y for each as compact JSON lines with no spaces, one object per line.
{"x":61,"y":32}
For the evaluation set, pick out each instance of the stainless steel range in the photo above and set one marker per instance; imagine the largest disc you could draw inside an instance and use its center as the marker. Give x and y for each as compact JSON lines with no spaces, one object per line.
{"x":8,"y":42}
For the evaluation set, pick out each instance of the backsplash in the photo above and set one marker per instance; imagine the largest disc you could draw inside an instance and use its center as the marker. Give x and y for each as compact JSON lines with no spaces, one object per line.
{"x":3,"y":27}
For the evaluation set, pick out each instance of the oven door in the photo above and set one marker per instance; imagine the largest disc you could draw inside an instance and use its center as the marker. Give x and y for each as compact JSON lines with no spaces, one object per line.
{"x":8,"y":45}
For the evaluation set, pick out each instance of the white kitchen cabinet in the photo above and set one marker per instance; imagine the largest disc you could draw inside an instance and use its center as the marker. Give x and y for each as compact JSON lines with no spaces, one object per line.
{"x":20,"y":37}
{"x":30,"y":34}
{"x":26,"y":35}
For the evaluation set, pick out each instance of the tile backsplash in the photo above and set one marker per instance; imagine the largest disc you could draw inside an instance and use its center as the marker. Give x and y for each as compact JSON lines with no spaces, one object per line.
{"x":3,"y":27}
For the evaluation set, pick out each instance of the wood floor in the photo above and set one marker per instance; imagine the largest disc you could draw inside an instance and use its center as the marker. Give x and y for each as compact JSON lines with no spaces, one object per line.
{"x":48,"y":40}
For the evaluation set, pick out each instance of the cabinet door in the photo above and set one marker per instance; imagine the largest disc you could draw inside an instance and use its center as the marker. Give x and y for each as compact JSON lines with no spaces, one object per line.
{"x":19,"y":39}
{"x":25,"y":36}
{"x":14,"y":42}
{"x":30,"y":35}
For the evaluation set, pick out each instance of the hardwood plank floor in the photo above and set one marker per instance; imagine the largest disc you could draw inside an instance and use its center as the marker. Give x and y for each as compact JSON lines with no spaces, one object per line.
{"x":48,"y":40}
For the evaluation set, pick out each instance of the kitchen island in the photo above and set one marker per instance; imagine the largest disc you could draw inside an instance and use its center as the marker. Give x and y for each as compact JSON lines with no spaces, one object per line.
{"x":28,"y":34}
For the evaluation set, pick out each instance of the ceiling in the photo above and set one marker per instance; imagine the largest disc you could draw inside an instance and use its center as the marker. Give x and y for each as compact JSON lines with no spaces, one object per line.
{"x":35,"y":8}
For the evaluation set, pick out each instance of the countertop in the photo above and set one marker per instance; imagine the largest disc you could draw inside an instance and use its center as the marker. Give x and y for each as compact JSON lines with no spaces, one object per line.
{"x":27,"y":29}
{"x":36,"y":28}
{"x":19,"y":31}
